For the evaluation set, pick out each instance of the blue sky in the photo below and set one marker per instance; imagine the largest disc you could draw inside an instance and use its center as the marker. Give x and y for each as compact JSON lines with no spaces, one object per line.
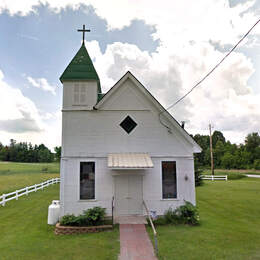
{"x":168,"y":47}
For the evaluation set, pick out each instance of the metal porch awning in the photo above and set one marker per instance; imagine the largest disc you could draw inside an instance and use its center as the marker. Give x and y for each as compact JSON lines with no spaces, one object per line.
{"x":129,"y":161}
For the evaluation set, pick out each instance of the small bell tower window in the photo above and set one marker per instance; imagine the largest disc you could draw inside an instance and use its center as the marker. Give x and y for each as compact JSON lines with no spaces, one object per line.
{"x":80,"y":94}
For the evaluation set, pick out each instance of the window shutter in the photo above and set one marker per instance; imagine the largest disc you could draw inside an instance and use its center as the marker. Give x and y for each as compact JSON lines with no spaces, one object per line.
{"x":76,"y":94}
{"x":82,"y":94}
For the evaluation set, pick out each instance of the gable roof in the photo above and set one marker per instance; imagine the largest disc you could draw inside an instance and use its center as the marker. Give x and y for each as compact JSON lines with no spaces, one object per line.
{"x":155,"y":102}
{"x":81,"y":68}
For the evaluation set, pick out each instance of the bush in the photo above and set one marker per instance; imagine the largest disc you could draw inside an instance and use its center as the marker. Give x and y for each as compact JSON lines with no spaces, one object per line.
{"x":95,"y":216}
{"x":185,"y":214}
{"x":69,"y":220}
{"x":90,"y":217}
{"x":188,"y":214}
{"x":257,"y":164}
{"x":171,"y":217}
{"x":235,"y":176}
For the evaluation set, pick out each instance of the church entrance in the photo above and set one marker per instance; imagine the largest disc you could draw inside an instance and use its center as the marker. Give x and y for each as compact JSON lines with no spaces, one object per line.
{"x":128,"y":195}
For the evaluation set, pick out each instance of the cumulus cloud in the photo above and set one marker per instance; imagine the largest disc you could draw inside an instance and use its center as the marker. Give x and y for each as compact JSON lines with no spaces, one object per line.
{"x":188,"y":32}
{"x":224,"y":99}
{"x":43,"y":84}
{"x":17,"y":112}
{"x":21,"y":120}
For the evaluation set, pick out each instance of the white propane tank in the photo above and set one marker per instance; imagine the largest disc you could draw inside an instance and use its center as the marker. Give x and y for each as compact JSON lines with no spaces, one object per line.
{"x":54,"y":212}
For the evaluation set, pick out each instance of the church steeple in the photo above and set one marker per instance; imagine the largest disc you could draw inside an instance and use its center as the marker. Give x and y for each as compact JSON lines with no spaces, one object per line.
{"x":82,"y":71}
{"x":81,"y":68}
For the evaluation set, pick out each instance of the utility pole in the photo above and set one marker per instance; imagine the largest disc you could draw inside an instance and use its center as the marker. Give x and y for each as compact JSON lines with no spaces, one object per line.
{"x":211,"y":151}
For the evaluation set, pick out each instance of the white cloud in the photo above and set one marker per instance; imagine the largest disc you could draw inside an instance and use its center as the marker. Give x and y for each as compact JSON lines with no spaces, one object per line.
{"x":20,"y":119}
{"x":186,"y":30}
{"x":224,"y":99}
{"x":43,"y":84}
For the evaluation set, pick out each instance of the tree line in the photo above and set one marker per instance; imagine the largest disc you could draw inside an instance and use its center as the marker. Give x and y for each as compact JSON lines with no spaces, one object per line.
{"x":26,"y":152}
{"x":227,"y":155}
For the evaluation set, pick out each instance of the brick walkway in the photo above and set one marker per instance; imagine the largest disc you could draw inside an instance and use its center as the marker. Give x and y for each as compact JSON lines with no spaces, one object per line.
{"x":135,"y":243}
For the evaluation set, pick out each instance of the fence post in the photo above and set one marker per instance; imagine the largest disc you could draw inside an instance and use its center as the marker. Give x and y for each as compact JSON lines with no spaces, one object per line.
{"x":35,"y":188}
{"x":42,"y":186}
{"x":3,"y":200}
{"x":16,"y":194}
{"x":212,"y":177}
{"x":26,"y":191}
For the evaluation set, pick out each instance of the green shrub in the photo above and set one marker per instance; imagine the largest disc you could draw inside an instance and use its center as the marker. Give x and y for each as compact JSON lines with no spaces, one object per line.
{"x":185,"y":214}
{"x":69,"y":220}
{"x":158,"y":221}
{"x":235,"y":176}
{"x":188,"y":214}
{"x":95,"y":216}
{"x":171,"y":217}
{"x":198,"y":179}
{"x":257,"y":164}
{"x":90,"y":217}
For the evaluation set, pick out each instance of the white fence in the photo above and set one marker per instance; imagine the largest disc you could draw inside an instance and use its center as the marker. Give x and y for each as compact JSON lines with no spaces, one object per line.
{"x":214,"y":177}
{"x":25,"y":191}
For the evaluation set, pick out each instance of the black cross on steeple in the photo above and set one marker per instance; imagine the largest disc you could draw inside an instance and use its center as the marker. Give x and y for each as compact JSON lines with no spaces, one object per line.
{"x":83,"y":31}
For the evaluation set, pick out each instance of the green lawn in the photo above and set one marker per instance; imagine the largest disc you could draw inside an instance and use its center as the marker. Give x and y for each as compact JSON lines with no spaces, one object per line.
{"x":25,"y":234}
{"x":14,"y":176}
{"x":230,"y":224}
{"x":231,"y":172}
{"x":229,"y":212}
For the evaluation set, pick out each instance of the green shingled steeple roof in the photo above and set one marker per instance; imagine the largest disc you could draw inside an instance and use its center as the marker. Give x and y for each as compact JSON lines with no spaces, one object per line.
{"x":81,"y":68}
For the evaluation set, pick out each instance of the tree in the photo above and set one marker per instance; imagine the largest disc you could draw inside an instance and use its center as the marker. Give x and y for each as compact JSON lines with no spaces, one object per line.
{"x":217,"y":137}
{"x":252,"y":145}
{"x":228,"y":161}
{"x":203,"y":142}
{"x":57,"y":150}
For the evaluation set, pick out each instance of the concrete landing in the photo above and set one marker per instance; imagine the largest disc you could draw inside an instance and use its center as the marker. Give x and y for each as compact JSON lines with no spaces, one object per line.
{"x":135,"y":243}
{"x":130,"y":220}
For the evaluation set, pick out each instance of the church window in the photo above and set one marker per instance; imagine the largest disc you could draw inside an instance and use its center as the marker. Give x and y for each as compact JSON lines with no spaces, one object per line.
{"x":169,"y":186}
{"x":87,"y":180}
{"x":128,"y":124}
{"x":79,"y":94}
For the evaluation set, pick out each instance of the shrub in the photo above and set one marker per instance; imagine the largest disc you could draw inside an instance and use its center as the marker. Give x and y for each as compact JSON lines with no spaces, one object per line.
{"x":257,"y":164}
{"x":95,"y":216}
{"x":158,"y":221}
{"x":90,"y":217}
{"x":185,"y":214}
{"x":198,"y":179}
{"x":188,"y":214}
{"x":171,"y":217}
{"x":235,"y":176}
{"x":69,"y":220}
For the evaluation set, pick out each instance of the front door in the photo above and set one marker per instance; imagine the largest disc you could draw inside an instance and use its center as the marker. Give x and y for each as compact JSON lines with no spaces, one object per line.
{"x":128,"y":195}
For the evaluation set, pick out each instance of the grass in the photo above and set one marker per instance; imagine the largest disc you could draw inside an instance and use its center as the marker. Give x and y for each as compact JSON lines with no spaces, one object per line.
{"x":230,"y":220}
{"x":26,"y":235}
{"x":231,"y":172}
{"x":14,"y":176}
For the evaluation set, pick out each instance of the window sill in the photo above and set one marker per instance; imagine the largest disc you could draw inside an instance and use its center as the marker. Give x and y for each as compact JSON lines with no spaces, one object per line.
{"x":170,"y":199}
{"x":90,"y":200}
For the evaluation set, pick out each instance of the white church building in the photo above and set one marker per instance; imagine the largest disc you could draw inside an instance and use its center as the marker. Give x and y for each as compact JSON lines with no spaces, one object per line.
{"x":122,"y":144}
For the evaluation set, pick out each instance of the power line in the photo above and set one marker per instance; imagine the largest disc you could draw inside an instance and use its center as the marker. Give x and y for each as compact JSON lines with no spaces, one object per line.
{"x":199,"y":82}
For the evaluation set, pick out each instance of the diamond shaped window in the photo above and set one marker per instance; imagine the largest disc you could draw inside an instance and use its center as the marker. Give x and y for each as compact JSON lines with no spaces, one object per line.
{"x":128,"y":124}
